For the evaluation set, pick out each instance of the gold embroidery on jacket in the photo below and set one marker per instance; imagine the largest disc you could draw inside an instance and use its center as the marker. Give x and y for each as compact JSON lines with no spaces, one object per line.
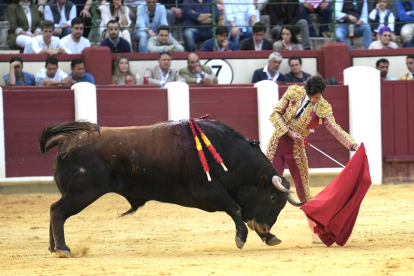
{"x":272,"y":146}
{"x":341,"y":135}
{"x":302,"y":162}
{"x":323,"y":108}
{"x":295,"y":92}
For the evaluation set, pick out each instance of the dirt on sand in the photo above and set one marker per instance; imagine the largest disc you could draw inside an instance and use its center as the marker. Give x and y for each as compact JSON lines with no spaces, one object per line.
{"x":165,"y":239}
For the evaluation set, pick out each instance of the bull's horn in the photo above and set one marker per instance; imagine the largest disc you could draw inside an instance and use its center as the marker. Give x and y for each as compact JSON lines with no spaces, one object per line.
{"x":294,"y":202}
{"x":277,"y":182}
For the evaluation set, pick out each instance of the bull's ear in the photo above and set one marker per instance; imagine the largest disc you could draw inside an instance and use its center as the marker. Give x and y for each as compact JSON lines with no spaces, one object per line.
{"x":263,"y":180}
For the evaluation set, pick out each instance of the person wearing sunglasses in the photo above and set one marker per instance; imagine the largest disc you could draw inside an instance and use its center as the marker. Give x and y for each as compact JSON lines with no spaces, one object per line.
{"x":384,"y":41}
{"x":352,"y":15}
{"x":149,"y":17}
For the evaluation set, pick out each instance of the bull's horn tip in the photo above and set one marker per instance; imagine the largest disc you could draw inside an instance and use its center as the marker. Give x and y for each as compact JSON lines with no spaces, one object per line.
{"x":224,"y":167}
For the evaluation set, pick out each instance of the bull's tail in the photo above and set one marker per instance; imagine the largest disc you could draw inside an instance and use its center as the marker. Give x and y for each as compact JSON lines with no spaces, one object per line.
{"x":56,"y":134}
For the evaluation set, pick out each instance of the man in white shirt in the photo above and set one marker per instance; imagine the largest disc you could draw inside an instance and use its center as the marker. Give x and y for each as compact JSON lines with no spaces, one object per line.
{"x":61,"y":13}
{"x":239,"y":14}
{"x":51,"y":75}
{"x":45,"y":43}
{"x":75,"y":42}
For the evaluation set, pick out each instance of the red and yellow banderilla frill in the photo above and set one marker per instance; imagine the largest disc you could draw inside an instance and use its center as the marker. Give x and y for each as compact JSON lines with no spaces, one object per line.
{"x":203,"y":160}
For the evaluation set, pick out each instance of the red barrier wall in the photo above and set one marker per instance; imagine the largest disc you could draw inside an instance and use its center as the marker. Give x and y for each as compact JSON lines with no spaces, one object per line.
{"x":235,"y":106}
{"x":26,"y":112}
{"x":131,"y":105}
{"x":397,"y":130}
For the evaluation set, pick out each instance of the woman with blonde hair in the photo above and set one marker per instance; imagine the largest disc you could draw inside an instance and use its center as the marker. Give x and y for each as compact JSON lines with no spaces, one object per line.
{"x":115,"y":10}
{"x":122,"y":73}
{"x":287,"y":40}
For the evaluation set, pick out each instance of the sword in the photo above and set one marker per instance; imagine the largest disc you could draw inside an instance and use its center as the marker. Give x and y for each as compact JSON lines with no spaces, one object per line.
{"x":325,"y":154}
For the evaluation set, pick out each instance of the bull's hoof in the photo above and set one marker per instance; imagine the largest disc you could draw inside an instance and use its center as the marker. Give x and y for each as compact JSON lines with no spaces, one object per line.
{"x":273,"y":241}
{"x":62,"y":253}
{"x":239,"y":243}
{"x":51,"y":249}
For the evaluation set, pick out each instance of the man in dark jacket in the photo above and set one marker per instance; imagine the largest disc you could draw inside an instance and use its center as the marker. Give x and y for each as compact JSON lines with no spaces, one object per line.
{"x":198,"y":22}
{"x":296,"y":75}
{"x":222,"y":42}
{"x":287,"y":12}
{"x":271,"y":70}
{"x":55,"y":10}
{"x":114,"y":42}
{"x":257,"y":41}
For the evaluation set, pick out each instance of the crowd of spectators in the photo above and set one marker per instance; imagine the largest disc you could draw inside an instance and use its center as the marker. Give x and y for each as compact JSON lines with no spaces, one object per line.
{"x":152,"y":24}
{"x":163,"y":72}
{"x":139,"y":21}
{"x":50,"y":75}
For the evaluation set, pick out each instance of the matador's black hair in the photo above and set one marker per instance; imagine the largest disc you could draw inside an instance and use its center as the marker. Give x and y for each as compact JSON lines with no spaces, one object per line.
{"x":315,"y":84}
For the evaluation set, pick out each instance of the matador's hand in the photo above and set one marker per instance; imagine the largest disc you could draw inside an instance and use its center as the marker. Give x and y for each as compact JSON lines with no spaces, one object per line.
{"x":295,"y":136}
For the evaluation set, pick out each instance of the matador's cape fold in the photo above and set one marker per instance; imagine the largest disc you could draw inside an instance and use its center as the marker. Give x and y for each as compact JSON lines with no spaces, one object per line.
{"x":335,"y":208}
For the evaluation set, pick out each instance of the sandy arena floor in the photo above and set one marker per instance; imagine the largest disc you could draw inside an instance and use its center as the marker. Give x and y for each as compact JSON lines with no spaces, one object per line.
{"x":163,"y":239}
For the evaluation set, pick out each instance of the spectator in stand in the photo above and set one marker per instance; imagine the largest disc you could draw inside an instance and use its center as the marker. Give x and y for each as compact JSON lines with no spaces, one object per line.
{"x":24,"y":23}
{"x":287,"y":40}
{"x":238,"y":14}
{"x":149,"y":17}
{"x":61,"y":13}
{"x":163,"y":73}
{"x":41,"y":6}
{"x":405,"y":12}
{"x":384,"y":41}
{"x":78,"y":74}
{"x":409,"y":43}
{"x":51,"y":75}
{"x":114,"y":42}
{"x":45,"y":43}
{"x":75,"y":42}
{"x":116,"y":11}
{"x":354,"y":19}
{"x":2,"y":18}
{"x":163,"y":42}
{"x":197,"y":22}
{"x":132,"y":5}
{"x":174,"y":13}
{"x":222,"y":43}
{"x":382,"y":16}
{"x":257,"y":42}
{"x":321,"y":7}
{"x":271,"y":70}
{"x":197,"y":73}
{"x":287,"y":12}
{"x":83,"y":10}
{"x":410,"y":67}
{"x":122,"y":73}
{"x":296,"y":74}
{"x":16,"y":76}
{"x":382,"y":65}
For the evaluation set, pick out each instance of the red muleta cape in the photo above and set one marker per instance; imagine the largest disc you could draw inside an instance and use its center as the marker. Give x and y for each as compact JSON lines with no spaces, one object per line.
{"x":335,"y":208}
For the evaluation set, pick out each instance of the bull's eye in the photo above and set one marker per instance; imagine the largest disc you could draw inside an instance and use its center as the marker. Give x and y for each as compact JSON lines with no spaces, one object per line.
{"x":272,"y":198}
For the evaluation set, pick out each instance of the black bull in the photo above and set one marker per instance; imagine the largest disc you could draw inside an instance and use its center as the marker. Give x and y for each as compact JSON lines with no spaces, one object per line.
{"x":160,"y":162}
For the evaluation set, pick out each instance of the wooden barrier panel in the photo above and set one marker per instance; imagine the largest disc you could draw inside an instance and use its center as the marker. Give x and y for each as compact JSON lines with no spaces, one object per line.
{"x":234,"y":106}
{"x":397,"y":131}
{"x":132,"y":105}
{"x":26,"y":112}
